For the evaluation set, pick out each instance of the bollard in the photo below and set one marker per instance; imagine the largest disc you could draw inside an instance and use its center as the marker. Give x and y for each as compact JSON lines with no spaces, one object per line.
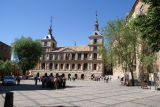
{"x":8,"y":99}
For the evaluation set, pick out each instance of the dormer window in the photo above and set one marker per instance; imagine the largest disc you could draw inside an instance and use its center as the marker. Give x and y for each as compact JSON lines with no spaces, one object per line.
{"x":96,"y":33}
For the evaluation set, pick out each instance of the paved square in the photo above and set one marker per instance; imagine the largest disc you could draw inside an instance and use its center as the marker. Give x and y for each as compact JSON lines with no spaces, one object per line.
{"x":83,"y":94}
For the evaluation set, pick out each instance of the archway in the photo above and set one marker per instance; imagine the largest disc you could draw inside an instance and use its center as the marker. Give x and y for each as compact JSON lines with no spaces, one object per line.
{"x":63,"y":75}
{"x":69,"y":76}
{"x":92,"y":76}
{"x":82,"y":76}
{"x":76,"y":76}
{"x":57,"y":74}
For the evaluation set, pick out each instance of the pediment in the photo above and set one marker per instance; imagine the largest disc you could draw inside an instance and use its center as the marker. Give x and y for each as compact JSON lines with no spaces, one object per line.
{"x":67,"y":50}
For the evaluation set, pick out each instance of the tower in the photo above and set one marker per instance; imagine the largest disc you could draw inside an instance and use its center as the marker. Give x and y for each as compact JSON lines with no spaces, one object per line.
{"x":48,"y":42}
{"x":96,"y":39}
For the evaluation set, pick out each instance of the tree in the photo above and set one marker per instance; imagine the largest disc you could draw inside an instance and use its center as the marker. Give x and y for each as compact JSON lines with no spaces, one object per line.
{"x":1,"y":64}
{"x":27,"y":52}
{"x":8,"y":66}
{"x":149,"y":24}
{"x":122,"y":41}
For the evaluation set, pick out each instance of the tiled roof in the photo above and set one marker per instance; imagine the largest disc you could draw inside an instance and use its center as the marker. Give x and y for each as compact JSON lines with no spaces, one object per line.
{"x":72,"y":48}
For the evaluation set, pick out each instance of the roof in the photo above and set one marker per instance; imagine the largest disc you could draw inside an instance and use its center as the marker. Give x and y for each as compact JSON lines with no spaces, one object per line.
{"x":72,"y":49}
{"x":4,"y":44}
{"x":49,"y":37}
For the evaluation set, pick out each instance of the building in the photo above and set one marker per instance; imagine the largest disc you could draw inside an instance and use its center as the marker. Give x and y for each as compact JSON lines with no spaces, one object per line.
{"x":5,"y":51}
{"x":78,"y":61}
{"x":139,"y":7}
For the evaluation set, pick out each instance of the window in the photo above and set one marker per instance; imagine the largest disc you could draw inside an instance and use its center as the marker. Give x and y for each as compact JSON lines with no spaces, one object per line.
{"x":85,"y":66}
{"x":95,"y":41}
{"x":142,"y":9}
{"x":45,"y":43}
{"x":79,"y":56}
{"x":85,"y":56}
{"x":95,"y":67}
{"x":43,"y":65}
{"x":95,"y":56}
{"x":61,"y":66}
{"x":95,"y":48}
{"x":67,"y":66}
{"x":73,"y":66}
{"x":50,"y":56}
{"x":56,"y":56}
{"x":73,"y":56}
{"x":56,"y":66}
{"x":50,"y":65}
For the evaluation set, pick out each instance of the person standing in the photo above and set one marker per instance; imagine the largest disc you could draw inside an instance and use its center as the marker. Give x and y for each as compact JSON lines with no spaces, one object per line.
{"x":18,"y":80}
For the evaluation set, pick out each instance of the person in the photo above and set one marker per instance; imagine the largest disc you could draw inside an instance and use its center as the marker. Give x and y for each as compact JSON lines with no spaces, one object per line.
{"x":36,"y":78}
{"x":110,"y":78}
{"x":18,"y":80}
{"x":107,"y":79}
{"x":122,"y":79}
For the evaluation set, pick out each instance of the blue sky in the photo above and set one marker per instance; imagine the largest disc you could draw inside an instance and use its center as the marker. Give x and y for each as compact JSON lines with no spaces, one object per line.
{"x":73,"y":20}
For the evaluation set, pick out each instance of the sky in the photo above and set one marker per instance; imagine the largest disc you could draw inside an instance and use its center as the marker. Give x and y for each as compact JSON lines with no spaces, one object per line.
{"x":72,"y":20}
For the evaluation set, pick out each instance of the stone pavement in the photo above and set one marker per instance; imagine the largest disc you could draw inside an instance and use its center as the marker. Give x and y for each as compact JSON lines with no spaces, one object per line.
{"x":83,"y":94}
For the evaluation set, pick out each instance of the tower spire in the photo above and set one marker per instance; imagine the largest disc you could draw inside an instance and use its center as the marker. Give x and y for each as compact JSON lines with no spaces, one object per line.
{"x":96,"y":24}
{"x":50,"y":28}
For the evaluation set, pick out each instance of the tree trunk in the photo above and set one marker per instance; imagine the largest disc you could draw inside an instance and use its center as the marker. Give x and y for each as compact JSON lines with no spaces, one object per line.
{"x":132,"y":77}
{"x":24,"y":72}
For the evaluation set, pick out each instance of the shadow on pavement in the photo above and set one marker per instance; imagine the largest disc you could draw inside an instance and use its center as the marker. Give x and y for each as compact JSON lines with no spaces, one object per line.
{"x":26,"y":87}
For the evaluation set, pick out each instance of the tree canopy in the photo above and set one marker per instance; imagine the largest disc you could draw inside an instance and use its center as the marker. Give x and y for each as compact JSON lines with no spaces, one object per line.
{"x":149,"y":24}
{"x":27,"y":52}
{"x":122,"y":39}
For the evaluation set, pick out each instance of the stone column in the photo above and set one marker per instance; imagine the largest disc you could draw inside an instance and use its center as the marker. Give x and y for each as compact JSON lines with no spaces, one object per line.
{"x":53,"y":66}
{"x":64,"y":56}
{"x":76,"y":56}
{"x":82,"y":56}
{"x":91,"y":67}
{"x":64,"y":67}
{"x":53,"y":56}
{"x":69,"y":68}
{"x":58,"y":56}
{"x":70,"y":56}
{"x":76,"y":67}
{"x":58,"y":67}
{"x":82,"y":67}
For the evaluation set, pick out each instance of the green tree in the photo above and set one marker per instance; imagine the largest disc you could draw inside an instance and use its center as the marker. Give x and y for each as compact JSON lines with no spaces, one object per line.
{"x":149,"y":24}
{"x":8,"y":66}
{"x":122,"y":41}
{"x":27,"y":52}
{"x":1,"y":64}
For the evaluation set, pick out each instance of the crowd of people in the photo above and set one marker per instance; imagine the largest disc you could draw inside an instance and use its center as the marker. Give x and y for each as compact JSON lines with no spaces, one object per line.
{"x":58,"y":81}
{"x":105,"y":78}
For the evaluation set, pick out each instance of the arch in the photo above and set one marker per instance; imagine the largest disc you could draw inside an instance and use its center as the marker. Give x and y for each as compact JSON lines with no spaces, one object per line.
{"x":61,"y":66}
{"x":85,"y":66}
{"x":67,"y":66}
{"x":76,"y":76}
{"x":69,"y":75}
{"x":82,"y":76}
{"x":73,"y":66}
{"x":50,"y":65}
{"x":43,"y":65}
{"x":95,"y":66}
{"x":63,"y":75}
{"x":57,"y":74}
{"x":79,"y":66}
{"x":92,"y":76}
